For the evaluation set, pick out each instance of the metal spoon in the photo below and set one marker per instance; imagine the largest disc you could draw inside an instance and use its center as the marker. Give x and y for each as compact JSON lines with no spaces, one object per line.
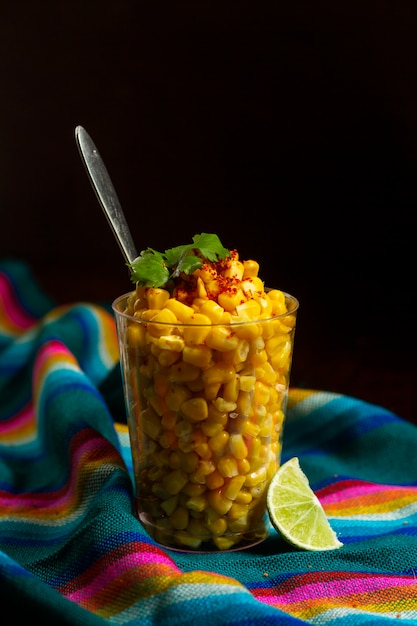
{"x":106,"y":193}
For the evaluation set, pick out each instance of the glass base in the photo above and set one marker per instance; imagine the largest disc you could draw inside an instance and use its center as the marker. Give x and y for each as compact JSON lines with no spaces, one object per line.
{"x":184,"y":541}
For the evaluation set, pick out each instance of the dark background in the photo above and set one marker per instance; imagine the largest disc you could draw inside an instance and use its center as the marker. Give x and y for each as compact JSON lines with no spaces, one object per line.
{"x":288,"y":128}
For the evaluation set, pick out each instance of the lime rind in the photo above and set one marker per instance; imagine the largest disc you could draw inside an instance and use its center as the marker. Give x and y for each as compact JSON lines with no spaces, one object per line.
{"x":296,"y":512}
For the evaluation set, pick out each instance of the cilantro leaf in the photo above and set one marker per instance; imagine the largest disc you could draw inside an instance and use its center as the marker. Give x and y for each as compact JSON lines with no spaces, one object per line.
{"x":210,"y":247}
{"x":189,"y":264}
{"x":156,"y":269}
{"x":149,"y":269}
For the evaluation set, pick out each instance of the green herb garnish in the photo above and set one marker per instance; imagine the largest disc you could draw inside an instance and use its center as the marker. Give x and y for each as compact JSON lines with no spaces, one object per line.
{"x":157,"y":269}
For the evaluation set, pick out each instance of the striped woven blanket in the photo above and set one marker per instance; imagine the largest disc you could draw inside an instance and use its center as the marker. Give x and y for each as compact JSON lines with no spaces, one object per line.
{"x":71,"y":549}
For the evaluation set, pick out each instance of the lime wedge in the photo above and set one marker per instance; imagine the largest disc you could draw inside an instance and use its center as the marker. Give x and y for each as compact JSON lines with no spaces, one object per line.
{"x":296,"y":512}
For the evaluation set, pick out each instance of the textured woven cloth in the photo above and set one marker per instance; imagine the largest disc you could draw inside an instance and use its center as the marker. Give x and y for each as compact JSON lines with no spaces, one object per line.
{"x":71,"y":549}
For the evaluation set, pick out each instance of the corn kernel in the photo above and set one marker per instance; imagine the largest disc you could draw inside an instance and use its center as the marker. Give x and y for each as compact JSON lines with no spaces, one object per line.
{"x":222,"y":339}
{"x":176,"y":396}
{"x":289,"y":321}
{"x":238,"y":355}
{"x":158,"y":404}
{"x":261,"y":393}
{"x":194,"y":489}
{"x":259,"y":358}
{"x":201,"y":289}
{"x":266,"y":312}
{"x":225,"y":543}
{"x":191,"y":439}
{"x":266,"y":374}
{"x":274,"y":344}
{"x":203,"y":450}
{"x":227,"y":466}
{"x":195,"y":409}
{"x":179,"y":518}
{"x":214,"y":480}
{"x":266,"y":428}
{"x":159,"y":491}
{"x":174,"y":460}
{"x":244,"y":405}
{"x":233,"y":486}
{"x":205,"y":467}
{"x":218,"y":373}
{"x":218,"y":443}
{"x":250,"y":269}
{"x":196,"y":528}
{"x":135,"y":335}
{"x":200,"y":356}
{"x":249,"y":310}
{"x":155,"y":474}
{"x":211,"y":428}
{"x":144,"y":315}
{"x":259,"y":412}
{"x":224,"y":406}
{"x":148,"y":367}
{"x":282,"y":357}
{"x":230,"y":299}
{"x":213,"y":289}
{"x":234,"y":269}
{"x":206,"y":273}
{"x":168,"y":420}
{"x":243,"y":466}
{"x":243,"y":497}
{"x":174,"y":481}
{"x":167,"y":439}
{"x":150,"y":423}
{"x":171,"y":342}
{"x":197,"y":328}
{"x":238,"y":512}
{"x":213,"y":311}
{"x":170,"y":504}
{"x":216,"y":415}
{"x":197,"y":503}
{"x":211,"y":390}
{"x":278,"y":297}
{"x":218,"y":501}
{"x":225,"y":318}
{"x":183,"y":372}
{"x":218,"y":526}
{"x":237,"y":446}
{"x":185,"y":539}
{"x":188,"y":461}
{"x":231,"y":390}
{"x":181,"y":311}
{"x":246,"y":383}
{"x":256,"y":477}
{"x":156,"y":297}
{"x":162,"y":323}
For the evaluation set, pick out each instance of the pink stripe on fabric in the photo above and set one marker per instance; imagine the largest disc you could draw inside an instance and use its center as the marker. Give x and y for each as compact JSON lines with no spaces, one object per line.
{"x":337,"y":589}
{"x":118,"y":569}
{"x":52,"y":350}
{"x":16,"y":314}
{"x":358,"y":490}
{"x":24,"y":416}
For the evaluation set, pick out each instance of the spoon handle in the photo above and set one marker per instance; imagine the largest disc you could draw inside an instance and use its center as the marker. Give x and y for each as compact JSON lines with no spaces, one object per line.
{"x":105,"y":192}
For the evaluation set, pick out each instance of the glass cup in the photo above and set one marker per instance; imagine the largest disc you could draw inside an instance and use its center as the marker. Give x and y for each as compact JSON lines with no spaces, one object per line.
{"x":205,"y":410}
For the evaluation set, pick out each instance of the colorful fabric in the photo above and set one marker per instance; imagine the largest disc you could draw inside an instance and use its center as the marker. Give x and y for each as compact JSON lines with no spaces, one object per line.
{"x":71,"y":549}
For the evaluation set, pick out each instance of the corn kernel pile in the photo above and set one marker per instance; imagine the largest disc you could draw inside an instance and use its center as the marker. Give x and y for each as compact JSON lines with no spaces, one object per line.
{"x":206,"y":375}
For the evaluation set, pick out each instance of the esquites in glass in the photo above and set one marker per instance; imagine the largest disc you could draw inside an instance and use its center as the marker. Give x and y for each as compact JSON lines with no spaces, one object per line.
{"x":206,"y":353}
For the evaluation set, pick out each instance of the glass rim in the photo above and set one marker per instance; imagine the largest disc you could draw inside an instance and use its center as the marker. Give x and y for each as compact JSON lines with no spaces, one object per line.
{"x":279,"y":316}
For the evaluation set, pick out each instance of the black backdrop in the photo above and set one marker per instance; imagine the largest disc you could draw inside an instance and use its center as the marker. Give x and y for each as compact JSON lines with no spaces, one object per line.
{"x":288,"y":128}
